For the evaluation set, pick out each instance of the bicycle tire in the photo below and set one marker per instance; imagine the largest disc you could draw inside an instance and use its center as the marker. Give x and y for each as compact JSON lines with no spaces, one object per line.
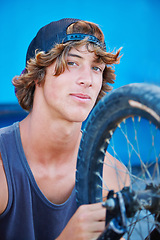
{"x":132,"y":100}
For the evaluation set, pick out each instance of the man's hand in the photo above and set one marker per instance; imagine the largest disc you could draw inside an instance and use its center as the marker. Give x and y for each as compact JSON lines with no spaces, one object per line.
{"x":87,"y":223}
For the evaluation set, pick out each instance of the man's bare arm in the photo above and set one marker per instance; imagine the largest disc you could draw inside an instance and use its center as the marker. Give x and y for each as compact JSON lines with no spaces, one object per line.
{"x":3,"y":188}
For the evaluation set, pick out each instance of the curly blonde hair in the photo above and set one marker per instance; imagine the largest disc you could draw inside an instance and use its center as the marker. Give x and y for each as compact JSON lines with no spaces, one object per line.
{"x":36,"y":67}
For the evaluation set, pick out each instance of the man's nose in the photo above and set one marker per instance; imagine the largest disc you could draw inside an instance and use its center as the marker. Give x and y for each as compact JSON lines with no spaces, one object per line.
{"x":85,"y":77}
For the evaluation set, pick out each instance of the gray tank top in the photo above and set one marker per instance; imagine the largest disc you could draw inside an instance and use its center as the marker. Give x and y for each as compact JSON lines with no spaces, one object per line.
{"x":29,"y":214}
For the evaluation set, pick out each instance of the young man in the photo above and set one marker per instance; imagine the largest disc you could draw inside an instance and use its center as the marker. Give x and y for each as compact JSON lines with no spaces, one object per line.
{"x":67,"y":71}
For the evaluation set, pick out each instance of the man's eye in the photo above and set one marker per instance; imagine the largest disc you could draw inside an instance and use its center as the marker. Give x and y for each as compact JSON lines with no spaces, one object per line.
{"x":97,"y":69}
{"x":71,"y":63}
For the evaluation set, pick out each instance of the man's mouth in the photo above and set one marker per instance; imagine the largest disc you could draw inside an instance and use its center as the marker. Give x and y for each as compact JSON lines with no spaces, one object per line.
{"x":81,"y":96}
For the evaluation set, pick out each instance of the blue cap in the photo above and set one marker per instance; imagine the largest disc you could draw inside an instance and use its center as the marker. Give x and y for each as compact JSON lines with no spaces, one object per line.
{"x":54,"y":33}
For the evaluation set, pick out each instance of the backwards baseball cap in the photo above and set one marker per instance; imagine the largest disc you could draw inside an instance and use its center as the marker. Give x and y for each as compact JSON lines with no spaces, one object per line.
{"x":55,"y":33}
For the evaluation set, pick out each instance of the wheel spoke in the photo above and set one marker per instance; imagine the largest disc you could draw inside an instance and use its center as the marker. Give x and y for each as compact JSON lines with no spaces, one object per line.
{"x":144,"y":172}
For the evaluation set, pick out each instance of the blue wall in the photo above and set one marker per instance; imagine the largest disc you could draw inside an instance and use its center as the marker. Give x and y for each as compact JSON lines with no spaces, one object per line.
{"x":134,"y":25}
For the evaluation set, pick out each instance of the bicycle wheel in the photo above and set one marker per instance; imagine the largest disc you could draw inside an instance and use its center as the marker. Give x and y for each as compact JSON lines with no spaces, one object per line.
{"x":125,"y":123}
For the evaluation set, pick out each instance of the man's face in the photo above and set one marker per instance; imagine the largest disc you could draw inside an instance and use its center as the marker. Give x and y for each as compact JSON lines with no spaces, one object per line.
{"x":72,"y":94}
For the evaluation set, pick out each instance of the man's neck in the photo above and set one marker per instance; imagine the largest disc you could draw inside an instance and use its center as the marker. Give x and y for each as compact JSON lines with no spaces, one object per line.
{"x":51,"y":140}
